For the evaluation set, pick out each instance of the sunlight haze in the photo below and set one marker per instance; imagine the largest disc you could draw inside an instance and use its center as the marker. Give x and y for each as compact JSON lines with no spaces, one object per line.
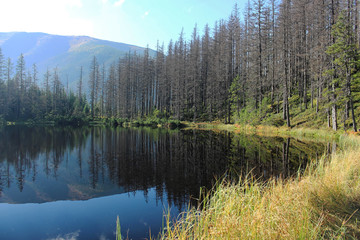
{"x":137,"y":22}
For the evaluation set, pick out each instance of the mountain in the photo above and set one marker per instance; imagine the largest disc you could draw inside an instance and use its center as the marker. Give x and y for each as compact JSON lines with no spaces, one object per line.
{"x":67,"y":53}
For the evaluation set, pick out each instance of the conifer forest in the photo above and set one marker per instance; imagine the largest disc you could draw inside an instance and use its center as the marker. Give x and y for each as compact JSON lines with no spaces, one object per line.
{"x":274,"y":58}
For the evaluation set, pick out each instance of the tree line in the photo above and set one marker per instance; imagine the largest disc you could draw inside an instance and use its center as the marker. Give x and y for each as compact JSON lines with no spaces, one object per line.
{"x":282,"y":55}
{"x":22,"y":98}
{"x":141,"y":159}
{"x":276,"y":58}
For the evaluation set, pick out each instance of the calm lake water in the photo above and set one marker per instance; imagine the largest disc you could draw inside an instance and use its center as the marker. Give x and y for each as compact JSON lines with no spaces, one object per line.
{"x":72,"y":183}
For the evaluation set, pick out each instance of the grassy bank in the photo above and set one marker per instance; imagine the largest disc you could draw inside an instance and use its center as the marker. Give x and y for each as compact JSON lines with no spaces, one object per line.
{"x":321,"y":204}
{"x":323,"y":134}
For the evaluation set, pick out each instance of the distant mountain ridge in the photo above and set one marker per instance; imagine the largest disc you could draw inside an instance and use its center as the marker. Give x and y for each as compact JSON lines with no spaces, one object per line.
{"x":67,"y":53}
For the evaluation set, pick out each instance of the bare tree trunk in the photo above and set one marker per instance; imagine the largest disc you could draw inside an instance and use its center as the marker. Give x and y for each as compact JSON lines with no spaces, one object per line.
{"x":312,"y":94}
{"x":334,"y":117}
{"x":333,"y":96}
{"x":356,"y":30}
{"x":317,"y":100}
{"x":286,"y":114}
{"x":348,"y":86}
{"x":353,"y":115}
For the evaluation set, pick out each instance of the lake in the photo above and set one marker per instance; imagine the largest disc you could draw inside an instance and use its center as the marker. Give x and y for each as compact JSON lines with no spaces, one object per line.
{"x":72,"y":183}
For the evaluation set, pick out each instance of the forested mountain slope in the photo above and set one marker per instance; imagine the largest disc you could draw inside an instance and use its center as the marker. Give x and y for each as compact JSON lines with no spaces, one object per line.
{"x":67,"y":53}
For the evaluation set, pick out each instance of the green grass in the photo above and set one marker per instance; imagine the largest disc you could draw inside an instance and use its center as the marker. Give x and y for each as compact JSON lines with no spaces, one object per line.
{"x":323,"y":203}
{"x":118,"y":229}
{"x":269,"y":130}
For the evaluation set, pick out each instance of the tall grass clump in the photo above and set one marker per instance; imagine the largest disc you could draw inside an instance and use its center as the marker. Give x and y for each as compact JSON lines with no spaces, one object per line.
{"x":321,"y":204}
{"x":118,"y":229}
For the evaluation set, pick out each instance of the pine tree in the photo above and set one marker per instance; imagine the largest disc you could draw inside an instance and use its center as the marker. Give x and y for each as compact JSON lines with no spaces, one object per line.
{"x":346,"y":58}
{"x":3,"y":94}
{"x":93,"y":82}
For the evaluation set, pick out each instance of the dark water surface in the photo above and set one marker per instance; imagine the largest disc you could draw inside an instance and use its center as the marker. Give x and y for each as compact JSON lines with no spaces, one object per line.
{"x":72,"y":183}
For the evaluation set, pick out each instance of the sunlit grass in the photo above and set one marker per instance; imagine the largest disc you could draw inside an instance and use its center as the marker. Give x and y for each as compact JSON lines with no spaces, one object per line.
{"x":322,"y":204}
{"x":268,"y":130}
{"x":118,"y":229}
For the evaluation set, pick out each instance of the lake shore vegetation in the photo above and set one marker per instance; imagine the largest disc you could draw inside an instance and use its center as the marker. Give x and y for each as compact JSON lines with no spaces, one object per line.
{"x":322,"y":203}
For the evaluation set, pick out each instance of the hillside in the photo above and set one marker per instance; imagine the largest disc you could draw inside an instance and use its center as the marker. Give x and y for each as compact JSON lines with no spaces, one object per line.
{"x":68,"y":53}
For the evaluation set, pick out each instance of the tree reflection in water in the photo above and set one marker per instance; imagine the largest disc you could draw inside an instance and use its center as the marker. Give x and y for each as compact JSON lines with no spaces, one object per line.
{"x":41,"y":164}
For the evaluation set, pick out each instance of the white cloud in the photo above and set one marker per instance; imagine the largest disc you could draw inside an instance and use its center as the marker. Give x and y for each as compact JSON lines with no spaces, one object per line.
{"x":104,"y":1}
{"x":44,"y":16}
{"x":119,"y":3}
{"x":68,"y":236}
{"x":74,"y":3}
{"x":145,"y":14}
{"x":103,"y":237}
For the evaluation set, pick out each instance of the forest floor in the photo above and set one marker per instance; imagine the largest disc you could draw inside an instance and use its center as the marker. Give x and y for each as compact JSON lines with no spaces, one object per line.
{"x":322,"y":203}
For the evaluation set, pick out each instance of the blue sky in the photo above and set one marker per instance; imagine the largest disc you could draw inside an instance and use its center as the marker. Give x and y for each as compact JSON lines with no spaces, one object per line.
{"x":138,"y":22}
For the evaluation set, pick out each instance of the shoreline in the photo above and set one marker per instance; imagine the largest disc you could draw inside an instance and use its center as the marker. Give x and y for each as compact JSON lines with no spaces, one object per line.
{"x":322,"y":203}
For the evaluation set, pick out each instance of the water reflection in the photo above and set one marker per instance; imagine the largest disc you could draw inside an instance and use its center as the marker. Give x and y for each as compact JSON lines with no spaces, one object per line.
{"x":45,"y":164}
{"x":131,"y":173}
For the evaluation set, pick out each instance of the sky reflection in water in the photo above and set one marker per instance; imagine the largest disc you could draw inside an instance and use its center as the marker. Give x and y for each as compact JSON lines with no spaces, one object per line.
{"x":65,"y":183}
